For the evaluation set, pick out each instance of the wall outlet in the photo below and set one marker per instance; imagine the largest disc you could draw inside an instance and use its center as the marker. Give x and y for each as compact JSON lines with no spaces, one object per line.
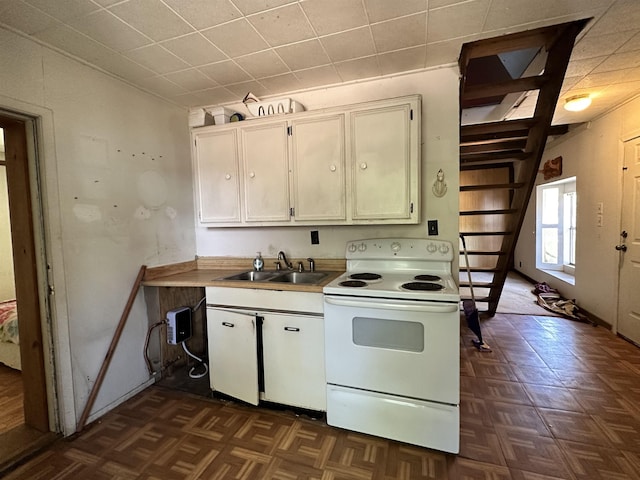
{"x":315,"y":239}
{"x":432,"y":227}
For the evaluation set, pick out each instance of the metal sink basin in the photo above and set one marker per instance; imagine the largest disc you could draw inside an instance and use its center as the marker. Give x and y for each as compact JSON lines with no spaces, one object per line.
{"x":252,"y":276}
{"x":299,"y":277}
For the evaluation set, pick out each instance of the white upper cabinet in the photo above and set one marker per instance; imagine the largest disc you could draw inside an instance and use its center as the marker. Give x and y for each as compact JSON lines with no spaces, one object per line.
{"x":318,"y":168}
{"x":217,"y":186}
{"x":266,"y":172}
{"x":358,"y":164}
{"x":383,"y":163}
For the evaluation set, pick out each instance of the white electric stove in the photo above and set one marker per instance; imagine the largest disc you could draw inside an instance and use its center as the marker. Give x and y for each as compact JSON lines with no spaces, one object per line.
{"x":392,"y":342}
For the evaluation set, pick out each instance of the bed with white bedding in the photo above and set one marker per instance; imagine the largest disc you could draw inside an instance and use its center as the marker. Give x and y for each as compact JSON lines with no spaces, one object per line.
{"x":9,"y":339}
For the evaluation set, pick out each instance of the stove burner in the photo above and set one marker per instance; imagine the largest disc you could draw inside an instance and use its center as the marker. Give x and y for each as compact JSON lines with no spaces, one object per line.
{"x":427,"y":278}
{"x":422,"y":286}
{"x":365,"y":276}
{"x":353,"y":283}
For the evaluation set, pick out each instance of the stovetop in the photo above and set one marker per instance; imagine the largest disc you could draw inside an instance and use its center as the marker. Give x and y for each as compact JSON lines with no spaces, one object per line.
{"x":400,"y":268}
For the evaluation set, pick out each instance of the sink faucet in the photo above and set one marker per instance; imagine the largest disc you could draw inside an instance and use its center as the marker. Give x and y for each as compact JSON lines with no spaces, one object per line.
{"x":312,"y":264}
{"x":283,"y":257}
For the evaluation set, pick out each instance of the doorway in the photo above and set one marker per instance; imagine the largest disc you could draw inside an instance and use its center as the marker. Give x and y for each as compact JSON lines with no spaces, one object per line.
{"x":629,"y":245}
{"x":19,"y":141}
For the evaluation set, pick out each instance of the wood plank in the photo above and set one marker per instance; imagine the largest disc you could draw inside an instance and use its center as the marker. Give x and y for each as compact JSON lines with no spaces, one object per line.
{"x":494,"y":186}
{"x":525,"y":84}
{"x":162,"y":271}
{"x":506,"y":146}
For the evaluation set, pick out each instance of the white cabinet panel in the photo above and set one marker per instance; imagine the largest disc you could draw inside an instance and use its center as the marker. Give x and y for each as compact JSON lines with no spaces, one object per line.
{"x":233,"y":360}
{"x":294,"y":360}
{"x":266,"y":172}
{"x":217,"y":179}
{"x":381,"y":160}
{"x":318,"y":164}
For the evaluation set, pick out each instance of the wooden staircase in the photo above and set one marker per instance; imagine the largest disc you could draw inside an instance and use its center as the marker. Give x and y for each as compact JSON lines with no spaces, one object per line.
{"x":499,"y":160}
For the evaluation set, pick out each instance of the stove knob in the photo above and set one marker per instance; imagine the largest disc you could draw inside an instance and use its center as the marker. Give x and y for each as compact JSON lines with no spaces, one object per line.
{"x":431,"y":248}
{"x":352,"y":247}
{"x":395,"y":246}
{"x":362,"y":247}
{"x":444,"y":248}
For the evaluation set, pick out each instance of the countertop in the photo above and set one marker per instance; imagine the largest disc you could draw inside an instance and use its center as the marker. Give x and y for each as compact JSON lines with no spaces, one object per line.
{"x":210,"y":272}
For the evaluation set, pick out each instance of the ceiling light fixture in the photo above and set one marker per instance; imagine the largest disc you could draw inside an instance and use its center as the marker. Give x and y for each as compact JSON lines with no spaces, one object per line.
{"x":577,"y":103}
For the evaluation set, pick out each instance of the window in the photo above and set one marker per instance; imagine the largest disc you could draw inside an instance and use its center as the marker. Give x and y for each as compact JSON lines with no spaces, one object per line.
{"x":556,"y":226}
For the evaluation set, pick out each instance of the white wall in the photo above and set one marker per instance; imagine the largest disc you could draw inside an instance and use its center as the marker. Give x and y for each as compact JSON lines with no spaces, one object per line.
{"x":440,"y":143}
{"x":593,"y":153}
{"x":116,"y":176}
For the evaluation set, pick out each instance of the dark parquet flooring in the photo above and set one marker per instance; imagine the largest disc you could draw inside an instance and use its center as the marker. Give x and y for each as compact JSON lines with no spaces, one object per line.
{"x":555,"y":399}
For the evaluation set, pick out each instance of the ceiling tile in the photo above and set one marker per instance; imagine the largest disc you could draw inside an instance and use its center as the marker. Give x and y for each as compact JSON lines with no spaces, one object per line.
{"x":194,"y":49}
{"x":331,"y":16}
{"x":380,"y":10}
{"x":225,"y":72}
{"x":608,"y":78}
{"x":239,"y":90}
{"x":456,"y":21}
{"x":65,"y":9}
{"x":443,"y":53}
{"x":623,"y":15}
{"x":313,"y":77}
{"x":252,"y":6}
{"x":191,"y":80}
{"x":348,"y":45}
{"x":191,"y":99}
{"x":358,"y":69}
{"x":281,"y":83}
{"x":598,"y":45}
{"x":123,"y":67}
{"x":443,"y":3}
{"x":510,"y":13}
{"x":403,"y":60}
{"x":24,"y":17}
{"x":262,"y":64}
{"x":163,"y":24}
{"x":106,"y":3}
{"x":282,"y":25}
{"x":632,"y":44}
{"x":577,"y":68}
{"x":69,"y":40}
{"x":161,"y":86}
{"x":619,"y":61}
{"x":157,"y":59}
{"x":236,"y":38}
{"x":303,"y":55}
{"x":109,"y":30}
{"x":205,"y":13}
{"x":400,"y":33}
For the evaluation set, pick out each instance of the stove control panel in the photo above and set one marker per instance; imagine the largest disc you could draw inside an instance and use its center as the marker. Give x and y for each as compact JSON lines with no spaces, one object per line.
{"x":406,"y":248}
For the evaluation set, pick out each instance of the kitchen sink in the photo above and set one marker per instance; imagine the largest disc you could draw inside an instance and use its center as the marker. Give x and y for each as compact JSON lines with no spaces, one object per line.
{"x":299,"y":277}
{"x":308,"y":278}
{"x":253,"y":276}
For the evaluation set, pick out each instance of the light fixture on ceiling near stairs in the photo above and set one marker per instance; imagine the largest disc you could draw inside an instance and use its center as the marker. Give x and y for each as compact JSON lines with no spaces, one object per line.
{"x":577,"y":103}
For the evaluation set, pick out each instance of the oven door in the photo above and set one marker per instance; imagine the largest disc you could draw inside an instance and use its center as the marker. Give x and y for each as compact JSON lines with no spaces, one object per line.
{"x":399,"y":347}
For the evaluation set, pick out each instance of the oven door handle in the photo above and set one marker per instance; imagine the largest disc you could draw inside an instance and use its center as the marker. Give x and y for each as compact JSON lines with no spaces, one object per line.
{"x":405,"y":306}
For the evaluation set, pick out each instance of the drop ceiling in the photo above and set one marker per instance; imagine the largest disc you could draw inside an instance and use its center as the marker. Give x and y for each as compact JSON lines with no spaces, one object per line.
{"x":212,"y":52}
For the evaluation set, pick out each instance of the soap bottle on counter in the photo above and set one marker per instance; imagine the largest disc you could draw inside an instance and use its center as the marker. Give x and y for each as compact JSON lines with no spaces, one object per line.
{"x":258,"y":263}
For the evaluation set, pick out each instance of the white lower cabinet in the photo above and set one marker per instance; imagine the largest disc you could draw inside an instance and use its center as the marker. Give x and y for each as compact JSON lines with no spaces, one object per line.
{"x":293,"y":354}
{"x":258,"y":353}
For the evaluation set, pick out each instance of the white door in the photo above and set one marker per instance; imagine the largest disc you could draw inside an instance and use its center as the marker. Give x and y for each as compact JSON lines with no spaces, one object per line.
{"x":266,"y":172}
{"x":233,"y":354}
{"x":382,"y":163}
{"x":628,"y":298}
{"x":293,"y":353}
{"x":318,"y":168}
{"x":217,"y":180}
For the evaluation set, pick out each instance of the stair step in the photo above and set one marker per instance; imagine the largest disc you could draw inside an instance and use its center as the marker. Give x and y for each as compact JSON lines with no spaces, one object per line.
{"x":491,"y":186}
{"x":490,"y":212}
{"x":502,"y":88}
{"x":488,"y":233}
{"x":506,"y":145}
{"x":477,"y":161}
{"x":486,"y":252}
{"x":497,"y":127}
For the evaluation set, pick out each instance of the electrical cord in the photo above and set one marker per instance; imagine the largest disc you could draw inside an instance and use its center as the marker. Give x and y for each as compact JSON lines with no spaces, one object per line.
{"x":146,"y":345}
{"x":202,"y":362}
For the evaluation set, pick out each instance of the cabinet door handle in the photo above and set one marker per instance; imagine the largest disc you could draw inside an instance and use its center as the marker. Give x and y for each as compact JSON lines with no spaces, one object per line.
{"x":227,"y":324}
{"x":291,"y":329}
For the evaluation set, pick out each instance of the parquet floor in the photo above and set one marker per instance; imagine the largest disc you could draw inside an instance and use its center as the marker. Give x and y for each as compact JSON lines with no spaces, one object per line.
{"x":555,"y":399}
{"x":11,"y":399}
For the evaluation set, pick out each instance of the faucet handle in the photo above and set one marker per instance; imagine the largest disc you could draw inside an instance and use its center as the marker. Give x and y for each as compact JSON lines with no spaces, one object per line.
{"x":312,"y":264}
{"x":278,"y":266}
{"x":300,"y":267}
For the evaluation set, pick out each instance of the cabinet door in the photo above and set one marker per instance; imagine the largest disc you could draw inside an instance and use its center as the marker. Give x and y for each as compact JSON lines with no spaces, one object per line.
{"x":266,"y":172}
{"x":233,"y":358}
{"x":217,"y":180}
{"x":385,"y":163}
{"x":318,"y":168}
{"x":293,"y":354}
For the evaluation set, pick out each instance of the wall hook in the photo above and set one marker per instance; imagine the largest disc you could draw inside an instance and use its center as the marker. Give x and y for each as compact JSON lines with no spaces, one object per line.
{"x":439,"y":186}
